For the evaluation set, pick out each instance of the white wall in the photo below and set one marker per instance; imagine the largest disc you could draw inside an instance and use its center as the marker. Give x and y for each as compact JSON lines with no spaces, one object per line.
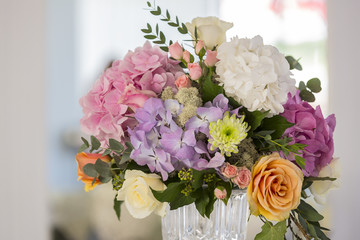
{"x":344,"y":52}
{"x":23,"y":205}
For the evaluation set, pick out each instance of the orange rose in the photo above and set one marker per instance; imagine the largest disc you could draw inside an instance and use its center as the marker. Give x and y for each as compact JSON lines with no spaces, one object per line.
{"x":84,"y":158}
{"x":275,"y":188}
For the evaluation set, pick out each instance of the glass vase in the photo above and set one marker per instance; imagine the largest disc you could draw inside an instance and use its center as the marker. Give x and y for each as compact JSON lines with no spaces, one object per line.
{"x":226,"y":221}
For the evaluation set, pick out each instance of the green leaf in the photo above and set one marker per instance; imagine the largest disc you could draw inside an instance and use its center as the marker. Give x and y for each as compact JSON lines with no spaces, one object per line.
{"x":117,"y":207}
{"x":308,"y":212}
{"x":85,"y":142}
{"x":294,"y":64}
{"x":172,"y":192}
{"x":116,"y":146}
{"x":210,"y":206}
{"x":82,"y":148}
{"x":307,"y":96}
{"x":106,"y":152}
{"x":168,"y":14}
{"x":164,"y":48}
{"x":312,"y":230}
{"x":300,"y":161}
{"x":157,"y":29}
{"x":105,"y":179}
{"x":254,"y":119}
{"x":277,"y":123}
{"x":145,"y":30}
{"x":102,"y":168}
{"x":302,"y":86}
{"x":150,"y":37}
{"x":210,"y":90}
{"x":149,"y":4}
{"x":198,"y":178}
{"x":95,"y":143}
{"x":202,"y":202}
{"x":320,"y":233}
{"x":158,"y":42}
{"x":271,"y":232}
{"x":181,"y":201}
{"x":89,"y":170}
{"x":172,"y":24}
{"x":127,"y":152}
{"x":314,"y":85}
{"x":156,"y":12}
{"x":162,"y":37}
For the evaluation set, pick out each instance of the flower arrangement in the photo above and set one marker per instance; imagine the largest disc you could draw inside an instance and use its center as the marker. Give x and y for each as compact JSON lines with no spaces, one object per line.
{"x":170,"y":125}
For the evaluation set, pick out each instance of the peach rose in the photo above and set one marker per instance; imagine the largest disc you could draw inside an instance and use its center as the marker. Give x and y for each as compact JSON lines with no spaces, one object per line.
{"x":176,"y":51}
{"x":228,"y":170}
{"x":199,"y":45}
{"x":220,"y":193}
{"x":275,"y":188}
{"x":211,"y":58}
{"x":242,"y":178}
{"x":84,"y":158}
{"x":194,"y":71}
{"x":186,"y":56}
{"x":183,"y":82}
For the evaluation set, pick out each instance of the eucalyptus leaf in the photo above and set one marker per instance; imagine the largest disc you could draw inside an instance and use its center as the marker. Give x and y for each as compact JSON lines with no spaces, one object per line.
{"x":95,"y":143}
{"x":82,"y":148}
{"x":89,"y":170}
{"x":102,"y":168}
{"x":115,"y":145}
{"x":307,"y":96}
{"x":302,"y":86}
{"x":105,"y":179}
{"x":314,"y":85}
{"x":294,"y":64}
{"x":106,"y":152}
{"x":85,"y":142}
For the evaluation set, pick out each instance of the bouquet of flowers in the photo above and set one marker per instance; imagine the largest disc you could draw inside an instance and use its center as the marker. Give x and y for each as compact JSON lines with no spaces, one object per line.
{"x":178,"y":126}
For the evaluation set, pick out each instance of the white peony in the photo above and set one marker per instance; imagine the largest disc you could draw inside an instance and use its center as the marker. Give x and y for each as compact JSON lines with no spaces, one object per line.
{"x":320,"y":189}
{"x":137,"y":195}
{"x":256,"y":75}
{"x":211,"y":30}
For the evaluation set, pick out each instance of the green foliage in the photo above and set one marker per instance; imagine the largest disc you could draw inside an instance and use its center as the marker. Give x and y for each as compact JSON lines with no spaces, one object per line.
{"x":158,"y":36}
{"x":307,"y":90}
{"x":308,"y":212}
{"x":277,"y":123}
{"x":89,"y":170}
{"x":209,"y":89}
{"x":254,"y":119}
{"x":170,"y":193}
{"x":268,"y":144}
{"x":117,"y":207}
{"x":116,"y":146}
{"x":95,"y":143}
{"x":294,"y":64}
{"x":272,"y":232}
{"x":202,"y":201}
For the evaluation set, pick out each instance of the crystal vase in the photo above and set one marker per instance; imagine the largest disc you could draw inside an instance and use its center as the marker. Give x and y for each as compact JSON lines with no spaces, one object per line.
{"x":226,"y":221}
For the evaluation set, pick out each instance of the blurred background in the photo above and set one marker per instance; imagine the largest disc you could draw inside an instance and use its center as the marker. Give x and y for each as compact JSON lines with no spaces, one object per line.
{"x":52,"y":51}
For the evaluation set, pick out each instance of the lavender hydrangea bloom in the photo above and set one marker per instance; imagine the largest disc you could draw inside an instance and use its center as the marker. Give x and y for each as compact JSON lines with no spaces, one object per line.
{"x":163,"y":146}
{"x":312,"y":130}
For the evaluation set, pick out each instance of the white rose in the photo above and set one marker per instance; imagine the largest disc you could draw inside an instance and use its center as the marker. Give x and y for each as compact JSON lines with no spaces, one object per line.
{"x":137,"y":195}
{"x":320,"y":189}
{"x":211,"y":30}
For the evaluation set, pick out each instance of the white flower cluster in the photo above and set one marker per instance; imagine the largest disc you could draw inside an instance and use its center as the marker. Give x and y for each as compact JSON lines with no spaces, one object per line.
{"x":255,"y":75}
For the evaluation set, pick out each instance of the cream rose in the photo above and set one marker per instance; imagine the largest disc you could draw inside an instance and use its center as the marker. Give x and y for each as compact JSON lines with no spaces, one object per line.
{"x":211,"y":30}
{"x":320,"y":189}
{"x":275,"y":188}
{"x":137,"y":195}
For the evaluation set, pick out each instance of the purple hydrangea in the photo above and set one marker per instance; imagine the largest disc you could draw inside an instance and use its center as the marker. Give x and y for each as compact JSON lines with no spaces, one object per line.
{"x":311,"y":129}
{"x":164,"y":147}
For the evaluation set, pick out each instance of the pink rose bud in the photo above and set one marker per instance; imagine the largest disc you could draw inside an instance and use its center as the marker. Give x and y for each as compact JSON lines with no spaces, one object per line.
{"x":199,"y":46}
{"x":186,"y":56}
{"x":183,"y":82}
{"x":211,"y":58}
{"x":194,"y":71}
{"x":220,"y":194}
{"x":229,"y":171}
{"x":242,"y":178}
{"x":176,"y":51}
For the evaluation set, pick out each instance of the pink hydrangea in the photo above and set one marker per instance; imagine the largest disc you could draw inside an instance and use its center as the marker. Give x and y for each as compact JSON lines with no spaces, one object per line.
{"x":125,"y":86}
{"x":311,"y":129}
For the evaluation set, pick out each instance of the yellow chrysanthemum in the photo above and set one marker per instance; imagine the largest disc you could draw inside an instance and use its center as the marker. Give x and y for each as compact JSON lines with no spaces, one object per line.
{"x":227,"y":133}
